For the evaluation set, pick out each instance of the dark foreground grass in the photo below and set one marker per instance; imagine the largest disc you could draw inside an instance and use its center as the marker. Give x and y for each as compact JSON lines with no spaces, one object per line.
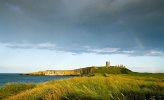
{"x":11,"y":89}
{"x":111,"y":87}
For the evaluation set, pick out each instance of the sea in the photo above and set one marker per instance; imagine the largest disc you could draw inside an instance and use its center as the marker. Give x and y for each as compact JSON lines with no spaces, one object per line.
{"x":18,"y":78}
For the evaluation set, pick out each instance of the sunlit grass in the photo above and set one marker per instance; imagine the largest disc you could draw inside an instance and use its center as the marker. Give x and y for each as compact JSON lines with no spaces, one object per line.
{"x":113,"y":87}
{"x":11,"y":89}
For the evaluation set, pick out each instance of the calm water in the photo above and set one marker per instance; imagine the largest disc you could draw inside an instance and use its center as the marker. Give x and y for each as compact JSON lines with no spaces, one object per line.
{"x":5,"y":78}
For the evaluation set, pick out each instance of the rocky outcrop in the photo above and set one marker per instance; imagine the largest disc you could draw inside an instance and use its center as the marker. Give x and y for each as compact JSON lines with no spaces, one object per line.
{"x":120,"y":69}
{"x":81,"y":71}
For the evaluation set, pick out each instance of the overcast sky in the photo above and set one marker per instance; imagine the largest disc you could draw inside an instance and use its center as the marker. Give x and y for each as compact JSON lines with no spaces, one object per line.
{"x":67,"y":34}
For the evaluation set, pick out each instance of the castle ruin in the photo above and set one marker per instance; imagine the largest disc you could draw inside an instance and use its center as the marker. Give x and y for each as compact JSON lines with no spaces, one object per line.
{"x":107,"y":64}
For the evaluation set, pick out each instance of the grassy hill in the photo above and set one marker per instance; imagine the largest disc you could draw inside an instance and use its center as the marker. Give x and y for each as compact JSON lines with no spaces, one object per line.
{"x":104,"y":83}
{"x":114,"y":87}
{"x":112,"y":70}
{"x":87,"y":71}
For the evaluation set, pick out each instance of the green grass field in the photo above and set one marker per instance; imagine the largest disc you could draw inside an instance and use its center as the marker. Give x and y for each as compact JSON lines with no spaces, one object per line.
{"x":99,"y":87}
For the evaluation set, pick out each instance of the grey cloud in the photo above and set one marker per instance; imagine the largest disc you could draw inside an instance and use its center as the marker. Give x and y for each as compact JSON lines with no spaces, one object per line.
{"x":154,"y":53}
{"x":21,"y":46}
{"x":84,"y":49}
{"x":104,"y":50}
{"x":125,"y":24}
{"x":47,"y":45}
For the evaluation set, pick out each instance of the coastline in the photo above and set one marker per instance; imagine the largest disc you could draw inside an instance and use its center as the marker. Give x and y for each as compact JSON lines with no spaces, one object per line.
{"x":112,"y":86}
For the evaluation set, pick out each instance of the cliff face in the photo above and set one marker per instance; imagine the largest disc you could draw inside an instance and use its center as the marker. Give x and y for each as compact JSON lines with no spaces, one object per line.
{"x":81,"y":71}
{"x":85,"y":71}
{"x":58,"y":72}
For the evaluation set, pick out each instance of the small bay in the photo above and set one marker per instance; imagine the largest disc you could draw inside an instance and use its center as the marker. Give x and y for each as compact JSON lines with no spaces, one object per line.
{"x":17,"y":78}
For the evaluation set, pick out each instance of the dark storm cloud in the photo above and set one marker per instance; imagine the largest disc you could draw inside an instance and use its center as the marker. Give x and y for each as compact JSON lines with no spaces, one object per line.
{"x":126,"y":26}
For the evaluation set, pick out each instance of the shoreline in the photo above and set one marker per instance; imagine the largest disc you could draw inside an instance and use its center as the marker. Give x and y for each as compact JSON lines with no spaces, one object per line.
{"x":122,"y":86}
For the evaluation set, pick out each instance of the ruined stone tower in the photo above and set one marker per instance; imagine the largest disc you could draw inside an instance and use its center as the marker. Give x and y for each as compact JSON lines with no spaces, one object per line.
{"x":107,"y":64}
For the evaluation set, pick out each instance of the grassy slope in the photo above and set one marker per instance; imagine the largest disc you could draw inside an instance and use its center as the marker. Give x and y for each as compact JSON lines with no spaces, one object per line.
{"x":14,"y":88}
{"x":114,"y":87}
{"x":100,"y":70}
{"x":112,"y":70}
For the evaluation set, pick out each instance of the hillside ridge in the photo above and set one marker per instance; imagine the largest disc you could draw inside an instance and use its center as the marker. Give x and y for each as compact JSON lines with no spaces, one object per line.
{"x":107,"y":69}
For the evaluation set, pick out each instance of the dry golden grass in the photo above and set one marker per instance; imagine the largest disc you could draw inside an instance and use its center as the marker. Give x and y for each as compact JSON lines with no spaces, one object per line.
{"x":114,"y":87}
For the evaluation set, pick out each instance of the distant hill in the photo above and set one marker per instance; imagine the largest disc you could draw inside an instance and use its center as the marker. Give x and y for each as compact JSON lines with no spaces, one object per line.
{"x":86,"y":71}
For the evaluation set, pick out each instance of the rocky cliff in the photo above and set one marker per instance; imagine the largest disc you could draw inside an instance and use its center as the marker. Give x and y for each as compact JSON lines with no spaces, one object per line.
{"x":85,"y":71}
